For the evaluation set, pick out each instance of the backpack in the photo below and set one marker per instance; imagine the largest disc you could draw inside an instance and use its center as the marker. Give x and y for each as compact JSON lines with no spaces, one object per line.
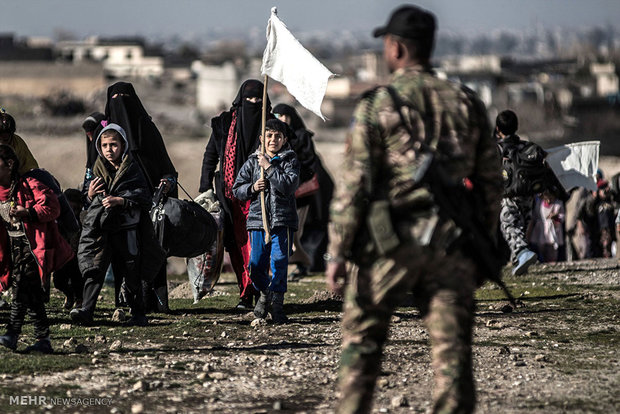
{"x":524,"y":169}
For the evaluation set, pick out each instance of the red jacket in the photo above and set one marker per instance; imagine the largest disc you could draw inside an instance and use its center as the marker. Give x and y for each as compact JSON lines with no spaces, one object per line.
{"x":50,"y":249}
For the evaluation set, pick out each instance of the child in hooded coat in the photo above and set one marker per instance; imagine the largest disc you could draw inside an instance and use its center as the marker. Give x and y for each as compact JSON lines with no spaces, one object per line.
{"x":116,"y":228}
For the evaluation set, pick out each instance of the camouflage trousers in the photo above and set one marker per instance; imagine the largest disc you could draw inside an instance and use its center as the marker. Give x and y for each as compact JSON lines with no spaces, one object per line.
{"x":515,"y":216}
{"x":445,"y":287}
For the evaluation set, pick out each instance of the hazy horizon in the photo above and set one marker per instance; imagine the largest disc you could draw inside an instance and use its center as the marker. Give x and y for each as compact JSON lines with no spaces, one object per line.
{"x":189,"y":19}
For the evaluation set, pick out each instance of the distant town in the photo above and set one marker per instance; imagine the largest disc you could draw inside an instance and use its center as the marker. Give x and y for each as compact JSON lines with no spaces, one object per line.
{"x":565,"y":84}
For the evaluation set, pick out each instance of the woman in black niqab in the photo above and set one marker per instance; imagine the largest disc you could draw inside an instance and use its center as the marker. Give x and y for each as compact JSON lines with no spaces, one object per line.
{"x":313,"y":234}
{"x":235,"y":136}
{"x":147,"y":147}
{"x":146,"y":144}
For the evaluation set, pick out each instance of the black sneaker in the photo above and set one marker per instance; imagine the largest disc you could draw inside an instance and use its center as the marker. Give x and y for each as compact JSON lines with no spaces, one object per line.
{"x":9,"y":341}
{"x":81,"y":317}
{"x":43,"y":346}
{"x":138,"y":320}
{"x":245,"y":304}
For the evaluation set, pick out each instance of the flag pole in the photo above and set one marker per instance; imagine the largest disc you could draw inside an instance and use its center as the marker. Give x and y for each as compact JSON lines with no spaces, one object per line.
{"x":262,"y":170}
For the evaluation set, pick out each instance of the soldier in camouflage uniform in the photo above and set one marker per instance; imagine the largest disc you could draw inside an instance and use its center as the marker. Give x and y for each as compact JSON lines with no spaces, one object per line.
{"x":516,"y":212}
{"x":382,"y":157}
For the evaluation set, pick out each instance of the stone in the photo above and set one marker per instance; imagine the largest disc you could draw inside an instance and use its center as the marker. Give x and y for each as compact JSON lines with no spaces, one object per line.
{"x":383,"y":383}
{"x":65,"y":326}
{"x":119,"y":316}
{"x":100,"y":339}
{"x":137,"y":408}
{"x":217,"y":375}
{"x":258,"y":322}
{"x":116,"y":345}
{"x":139,"y":386}
{"x":69,"y":343}
{"x":399,"y":401}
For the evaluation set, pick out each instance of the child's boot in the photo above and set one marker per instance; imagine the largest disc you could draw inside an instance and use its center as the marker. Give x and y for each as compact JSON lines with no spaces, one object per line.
{"x":260,"y":310}
{"x":277,"y":308}
{"x":42,"y":345}
{"x":9,"y":341}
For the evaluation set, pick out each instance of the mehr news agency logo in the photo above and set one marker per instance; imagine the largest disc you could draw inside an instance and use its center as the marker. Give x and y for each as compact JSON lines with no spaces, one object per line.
{"x":43,"y":400}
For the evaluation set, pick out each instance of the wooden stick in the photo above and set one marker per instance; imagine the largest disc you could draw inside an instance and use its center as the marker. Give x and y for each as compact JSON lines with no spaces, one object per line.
{"x":262,"y":170}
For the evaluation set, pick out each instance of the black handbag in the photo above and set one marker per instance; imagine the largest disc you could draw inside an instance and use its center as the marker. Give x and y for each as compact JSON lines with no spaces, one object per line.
{"x":183,"y":228}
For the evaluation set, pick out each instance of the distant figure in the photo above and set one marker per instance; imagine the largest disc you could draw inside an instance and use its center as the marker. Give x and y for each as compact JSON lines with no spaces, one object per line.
{"x":91,"y":126}
{"x":31,"y":248}
{"x":234,"y":137}
{"x":310,"y":241}
{"x":148,"y":150}
{"x":281,"y":178}
{"x":547,"y":234}
{"x":10,"y":138}
{"x":606,"y":218}
{"x":516,"y":210}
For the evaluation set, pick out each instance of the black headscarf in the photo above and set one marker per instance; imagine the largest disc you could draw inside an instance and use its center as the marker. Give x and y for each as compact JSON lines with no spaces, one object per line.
{"x":249,"y":116}
{"x":93,"y":125}
{"x":296,"y":121}
{"x":300,"y":140}
{"x":146,"y":144}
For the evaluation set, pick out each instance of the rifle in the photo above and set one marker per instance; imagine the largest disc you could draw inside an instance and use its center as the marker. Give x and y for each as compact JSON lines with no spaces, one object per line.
{"x":457,"y":202}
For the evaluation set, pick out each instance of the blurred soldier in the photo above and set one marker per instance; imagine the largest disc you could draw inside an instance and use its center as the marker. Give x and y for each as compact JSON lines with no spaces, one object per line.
{"x":517,"y":203}
{"x":410,"y":244}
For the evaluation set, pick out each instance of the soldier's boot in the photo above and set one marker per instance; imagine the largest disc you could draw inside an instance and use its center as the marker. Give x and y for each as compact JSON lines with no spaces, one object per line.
{"x":262,"y":305}
{"x":277,"y":308}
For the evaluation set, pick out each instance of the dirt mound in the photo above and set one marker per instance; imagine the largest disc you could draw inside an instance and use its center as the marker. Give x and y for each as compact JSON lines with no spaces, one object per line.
{"x":182,"y":291}
{"x":320,"y":296}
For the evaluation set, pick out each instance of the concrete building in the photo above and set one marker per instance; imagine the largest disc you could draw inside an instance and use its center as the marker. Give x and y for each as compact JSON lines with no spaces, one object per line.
{"x":216,"y":87}
{"x":121,"y":58}
{"x":605,"y":78}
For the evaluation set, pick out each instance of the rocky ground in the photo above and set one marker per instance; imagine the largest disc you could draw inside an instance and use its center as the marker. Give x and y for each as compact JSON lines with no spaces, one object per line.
{"x":557,"y":352}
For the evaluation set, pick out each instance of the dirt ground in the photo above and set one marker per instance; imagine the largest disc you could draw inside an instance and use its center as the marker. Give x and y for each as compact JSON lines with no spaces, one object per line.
{"x":557,"y":352}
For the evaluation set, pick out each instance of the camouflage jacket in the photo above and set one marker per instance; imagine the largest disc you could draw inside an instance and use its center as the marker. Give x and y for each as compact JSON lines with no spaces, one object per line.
{"x":381,"y":159}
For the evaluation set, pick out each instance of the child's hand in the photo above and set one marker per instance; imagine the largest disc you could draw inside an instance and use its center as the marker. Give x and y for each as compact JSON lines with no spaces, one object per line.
{"x":96,"y":186}
{"x":263,"y":161}
{"x":111,"y":201}
{"x":259,"y":185}
{"x":18,"y":211}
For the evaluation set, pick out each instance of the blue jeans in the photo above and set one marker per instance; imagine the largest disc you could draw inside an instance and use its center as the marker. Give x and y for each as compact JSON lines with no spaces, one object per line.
{"x":275,"y":253}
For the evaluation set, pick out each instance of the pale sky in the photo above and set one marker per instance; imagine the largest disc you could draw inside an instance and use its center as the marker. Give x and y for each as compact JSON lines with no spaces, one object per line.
{"x":192,"y":18}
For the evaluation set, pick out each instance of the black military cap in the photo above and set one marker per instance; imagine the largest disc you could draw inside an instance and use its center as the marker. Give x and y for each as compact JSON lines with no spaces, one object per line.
{"x":410,"y":22}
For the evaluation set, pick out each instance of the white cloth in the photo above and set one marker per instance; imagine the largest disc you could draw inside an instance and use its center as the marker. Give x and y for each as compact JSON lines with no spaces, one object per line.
{"x":575,"y":164}
{"x":288,"y":62}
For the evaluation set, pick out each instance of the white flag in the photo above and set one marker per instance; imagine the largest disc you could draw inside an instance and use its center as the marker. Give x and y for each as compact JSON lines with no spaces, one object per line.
{"x":288,"y":62}
{"x":575,"y":164}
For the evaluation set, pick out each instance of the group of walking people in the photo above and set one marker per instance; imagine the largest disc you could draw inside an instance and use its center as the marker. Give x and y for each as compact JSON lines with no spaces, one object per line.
{"x":410,"y":143}
{"x":82,"y":235}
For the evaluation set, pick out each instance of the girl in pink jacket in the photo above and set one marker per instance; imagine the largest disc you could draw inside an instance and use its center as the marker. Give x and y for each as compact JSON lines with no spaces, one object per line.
{"x":31,"y":248}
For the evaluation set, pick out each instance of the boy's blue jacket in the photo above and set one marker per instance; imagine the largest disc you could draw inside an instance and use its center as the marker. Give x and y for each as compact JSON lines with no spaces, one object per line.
{"x":283,"y":177}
